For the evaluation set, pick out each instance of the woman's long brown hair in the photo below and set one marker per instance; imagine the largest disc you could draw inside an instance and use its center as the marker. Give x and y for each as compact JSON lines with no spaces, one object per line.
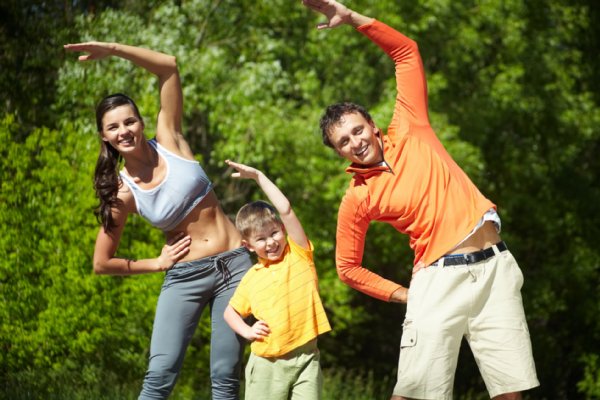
{"x":106,"y":177}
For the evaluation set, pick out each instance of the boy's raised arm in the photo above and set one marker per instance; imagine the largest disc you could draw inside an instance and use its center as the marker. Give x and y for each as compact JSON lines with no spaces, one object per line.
{"x":291,"y":223}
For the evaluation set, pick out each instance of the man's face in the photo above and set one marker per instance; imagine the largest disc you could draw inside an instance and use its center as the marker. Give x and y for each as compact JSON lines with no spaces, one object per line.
{"x":357,"y":140}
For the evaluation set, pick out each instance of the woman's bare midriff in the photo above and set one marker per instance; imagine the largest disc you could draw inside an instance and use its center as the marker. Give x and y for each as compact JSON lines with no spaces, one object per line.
{"x":484,"y":237}
{"x":212,"y":231}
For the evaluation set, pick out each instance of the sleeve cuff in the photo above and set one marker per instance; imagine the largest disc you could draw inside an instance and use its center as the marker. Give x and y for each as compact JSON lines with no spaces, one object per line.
{"x":366,"y":26}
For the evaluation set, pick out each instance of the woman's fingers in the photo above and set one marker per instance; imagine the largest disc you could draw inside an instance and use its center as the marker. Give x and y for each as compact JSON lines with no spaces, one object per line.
{"x":174,"y":250}
{"x":179,"y":245}
{"x":97,"y":50}
{"x":175,"y":238}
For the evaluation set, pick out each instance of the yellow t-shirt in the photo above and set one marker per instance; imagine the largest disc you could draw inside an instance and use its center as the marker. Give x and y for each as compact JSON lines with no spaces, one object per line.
{"x":285,"y":295}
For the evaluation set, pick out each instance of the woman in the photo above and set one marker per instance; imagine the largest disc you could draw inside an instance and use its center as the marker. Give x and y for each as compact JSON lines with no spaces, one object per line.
{"x":161,"y":181}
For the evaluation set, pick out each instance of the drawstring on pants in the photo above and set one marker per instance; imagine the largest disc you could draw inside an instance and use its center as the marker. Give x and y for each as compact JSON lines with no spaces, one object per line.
{"x":222,"y":268}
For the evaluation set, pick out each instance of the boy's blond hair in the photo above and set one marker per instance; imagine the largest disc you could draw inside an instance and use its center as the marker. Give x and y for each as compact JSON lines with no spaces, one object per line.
{"x":253,"y":216}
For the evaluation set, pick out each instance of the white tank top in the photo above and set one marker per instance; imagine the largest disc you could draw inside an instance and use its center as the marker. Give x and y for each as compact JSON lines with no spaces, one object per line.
{"x":184,"y":186}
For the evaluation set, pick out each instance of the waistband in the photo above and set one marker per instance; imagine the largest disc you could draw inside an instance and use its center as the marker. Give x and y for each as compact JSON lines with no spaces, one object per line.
{"x":307,"y":348}
{"x":470,"y":258}
{"x":209,"y":260}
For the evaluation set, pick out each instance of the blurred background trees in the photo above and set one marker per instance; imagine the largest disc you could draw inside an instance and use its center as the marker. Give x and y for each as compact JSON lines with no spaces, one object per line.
{"x":514,"y":95}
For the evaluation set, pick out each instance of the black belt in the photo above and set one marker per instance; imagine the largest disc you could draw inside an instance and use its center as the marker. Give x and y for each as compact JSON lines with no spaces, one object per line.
{"x":472,"y":258}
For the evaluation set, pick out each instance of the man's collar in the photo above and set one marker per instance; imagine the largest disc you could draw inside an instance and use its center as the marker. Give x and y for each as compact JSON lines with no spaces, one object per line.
{"x":355,"y":168}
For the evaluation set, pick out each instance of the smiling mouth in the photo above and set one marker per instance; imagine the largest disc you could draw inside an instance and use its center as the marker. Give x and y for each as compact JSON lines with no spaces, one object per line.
{"x":273,"y":252}
{"x":361,"y":152}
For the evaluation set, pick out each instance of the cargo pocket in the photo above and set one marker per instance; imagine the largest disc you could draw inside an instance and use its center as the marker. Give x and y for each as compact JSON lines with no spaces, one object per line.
{"x":408,"y":341}
{"x":409,"y":337}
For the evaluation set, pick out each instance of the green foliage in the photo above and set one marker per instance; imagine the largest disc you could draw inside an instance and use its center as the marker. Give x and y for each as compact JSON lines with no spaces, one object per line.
{"x":590,"y":384}
{"x":515,"y":84}
{"x":56,"y":315}
{"x":362,"y":384}
{"x":513,"y":95}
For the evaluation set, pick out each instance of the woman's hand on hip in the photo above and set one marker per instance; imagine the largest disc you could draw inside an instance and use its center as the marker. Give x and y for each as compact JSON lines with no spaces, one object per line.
{"x":174,"y":251}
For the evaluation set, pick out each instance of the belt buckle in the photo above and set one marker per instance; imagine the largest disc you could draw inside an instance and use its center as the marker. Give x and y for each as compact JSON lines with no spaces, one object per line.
{"x":471,"y":258}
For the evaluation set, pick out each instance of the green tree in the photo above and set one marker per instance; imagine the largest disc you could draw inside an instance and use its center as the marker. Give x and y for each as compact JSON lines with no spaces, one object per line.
{"x":513,"y":94}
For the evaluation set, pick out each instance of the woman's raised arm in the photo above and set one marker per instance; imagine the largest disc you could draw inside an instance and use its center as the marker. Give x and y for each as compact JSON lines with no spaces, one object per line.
{"x":164,"y":66}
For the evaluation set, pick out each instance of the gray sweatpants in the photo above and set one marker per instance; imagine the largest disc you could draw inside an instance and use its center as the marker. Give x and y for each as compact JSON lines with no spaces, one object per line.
{"x":188,"y":287}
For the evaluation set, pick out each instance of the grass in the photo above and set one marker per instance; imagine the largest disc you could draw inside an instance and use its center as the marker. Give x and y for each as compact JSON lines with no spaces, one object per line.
{"x":338,"y":384}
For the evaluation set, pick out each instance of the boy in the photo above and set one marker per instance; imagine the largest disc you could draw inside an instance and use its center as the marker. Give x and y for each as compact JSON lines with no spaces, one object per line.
{"x":281,"y":292}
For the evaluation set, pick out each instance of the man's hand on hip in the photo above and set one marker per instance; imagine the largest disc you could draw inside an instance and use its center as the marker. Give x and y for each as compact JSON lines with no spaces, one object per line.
{"x":400,"y":295}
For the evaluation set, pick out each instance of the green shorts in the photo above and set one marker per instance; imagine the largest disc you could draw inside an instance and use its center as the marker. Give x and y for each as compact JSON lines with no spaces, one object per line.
{"x":296,"y":375}
{"x":481,"y":302}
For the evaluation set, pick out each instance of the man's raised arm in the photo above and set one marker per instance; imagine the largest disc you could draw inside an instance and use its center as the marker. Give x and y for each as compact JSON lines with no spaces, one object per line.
{"x":337,"y":14}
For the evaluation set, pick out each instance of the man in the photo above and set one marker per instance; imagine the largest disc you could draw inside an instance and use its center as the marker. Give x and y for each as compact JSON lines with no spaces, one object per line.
{"x":465,"y":281}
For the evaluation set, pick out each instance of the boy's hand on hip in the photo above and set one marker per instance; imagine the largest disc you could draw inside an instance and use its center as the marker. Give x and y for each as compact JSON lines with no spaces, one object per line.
{"x":259,"y":331}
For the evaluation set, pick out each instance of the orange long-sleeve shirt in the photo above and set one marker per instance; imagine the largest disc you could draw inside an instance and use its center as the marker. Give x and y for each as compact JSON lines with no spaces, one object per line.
{"x":420,"y":191}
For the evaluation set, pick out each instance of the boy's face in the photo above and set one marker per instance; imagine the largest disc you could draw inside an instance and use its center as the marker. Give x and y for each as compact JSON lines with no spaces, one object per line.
{"x":268,"y":242}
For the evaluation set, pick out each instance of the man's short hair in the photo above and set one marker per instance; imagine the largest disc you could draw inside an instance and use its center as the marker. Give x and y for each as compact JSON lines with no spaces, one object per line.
{"x":333,"y":116}
{"x":253,"y":216}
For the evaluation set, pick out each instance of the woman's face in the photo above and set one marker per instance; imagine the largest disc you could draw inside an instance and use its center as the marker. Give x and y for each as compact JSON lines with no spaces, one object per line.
{"x":122,"y":128}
